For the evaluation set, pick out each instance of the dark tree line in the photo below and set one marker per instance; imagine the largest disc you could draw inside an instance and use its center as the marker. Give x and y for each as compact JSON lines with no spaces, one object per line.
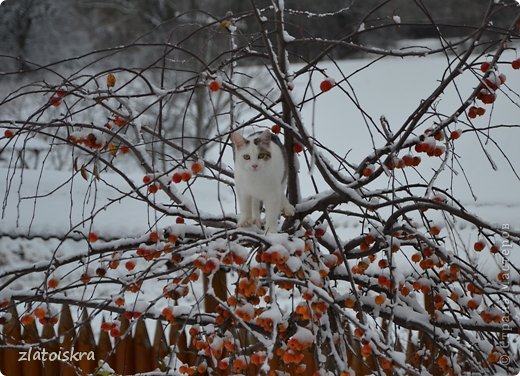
{"x":38,"y":32}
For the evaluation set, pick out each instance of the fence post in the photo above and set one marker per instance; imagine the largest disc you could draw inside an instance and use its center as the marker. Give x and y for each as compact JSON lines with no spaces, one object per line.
{"x":104,"y":350}
{"x":30,"y":336}
{"x":179,"y":343}
{"x":67,"y":334}
{"x":12,"y":335}
{"x":124,"y":349}
{"x":142,"y":348}
{"x":160,"y":346}
{"x":219,"y":286}
{"x":86,"y":343}
{"x":50,"y":368}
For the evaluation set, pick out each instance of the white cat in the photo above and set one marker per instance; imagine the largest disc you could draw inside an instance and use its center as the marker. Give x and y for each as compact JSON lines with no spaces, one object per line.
{"x":260,"y":177}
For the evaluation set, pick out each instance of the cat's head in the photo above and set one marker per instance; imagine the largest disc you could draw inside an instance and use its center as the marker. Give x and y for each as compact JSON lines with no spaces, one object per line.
{"x":253,"y":153}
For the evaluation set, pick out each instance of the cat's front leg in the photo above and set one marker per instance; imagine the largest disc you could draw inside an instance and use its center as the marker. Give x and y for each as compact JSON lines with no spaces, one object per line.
{"x":287,"y":209}
{"x":272,"y":213}
{"x":255,"y":212}
{"x":245,"y":218}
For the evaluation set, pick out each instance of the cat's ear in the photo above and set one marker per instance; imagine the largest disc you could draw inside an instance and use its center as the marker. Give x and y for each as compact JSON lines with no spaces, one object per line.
{"x":238,"y":140}
{"x":265,"y":137}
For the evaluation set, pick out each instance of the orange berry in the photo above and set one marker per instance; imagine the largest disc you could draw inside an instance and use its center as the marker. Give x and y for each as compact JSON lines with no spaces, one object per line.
{"x":40,"y":312}
{"x":276,"y":129}
{"x":52,"y":283}
{"x":350,"y":303}
{"x":85,"y":278}
{"x":380,"y":299}
{"x":197,"y":167}
{"x":442,"y":362}
{"x":111,"y":80}
{"x":154,"y":237}
{"x":26,"y":320}
{"x":367,"y":171}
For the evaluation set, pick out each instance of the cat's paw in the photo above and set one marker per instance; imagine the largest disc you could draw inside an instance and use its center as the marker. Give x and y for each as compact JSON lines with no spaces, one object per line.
{"x":244,"y":222}
{"x":288,"y":210}
{"x":257,"y":222}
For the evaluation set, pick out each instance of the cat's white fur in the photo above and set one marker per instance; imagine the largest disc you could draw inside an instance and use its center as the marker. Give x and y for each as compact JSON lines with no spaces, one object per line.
{"x":260,"y":181}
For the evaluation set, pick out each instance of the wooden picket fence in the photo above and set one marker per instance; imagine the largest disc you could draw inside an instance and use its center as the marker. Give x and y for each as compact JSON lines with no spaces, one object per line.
{"x":136,"y":352}
{"x":133,"y":352}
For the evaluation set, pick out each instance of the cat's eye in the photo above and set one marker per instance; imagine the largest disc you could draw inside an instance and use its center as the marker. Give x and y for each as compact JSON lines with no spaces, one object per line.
{"x":246,"y":157}
{"x":263,"y":156}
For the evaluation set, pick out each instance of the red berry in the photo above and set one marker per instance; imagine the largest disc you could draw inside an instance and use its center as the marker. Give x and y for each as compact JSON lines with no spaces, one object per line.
{"x":439,"y":136}
{"x":61,"y":93}
{"x":488,"y":98}
{"x":185,"y":175}
{"x":120,"y":121}
{"x":8,"y":133}
{"x":367,"y":171}
{"x":147,"y":179}
{"x":326,"y":84}
{"x":154,"y":188}
{"x":484,"y":67}
{"x":130,"y":265}
{"x":516,"y":64}
{"x":297,"y":148}
{"x":408,"y":159}
{"x":55,"y":101}
{"x":276,"y":128}
{"x":481,"y":111}
{"x":92,"y":237}
{"x":215,"y":85}
{"x":502,"y":78}
{"x":438,"y":151}
{"x":177,"y":178}
{"x":472,"y":112}
{"x":179,"y":220}
{"x":479,"y":246}
{"x":455,"y":134}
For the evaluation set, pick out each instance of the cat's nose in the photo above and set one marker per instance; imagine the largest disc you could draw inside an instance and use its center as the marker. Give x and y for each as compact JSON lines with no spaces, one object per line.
{"x":254,"y":166}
